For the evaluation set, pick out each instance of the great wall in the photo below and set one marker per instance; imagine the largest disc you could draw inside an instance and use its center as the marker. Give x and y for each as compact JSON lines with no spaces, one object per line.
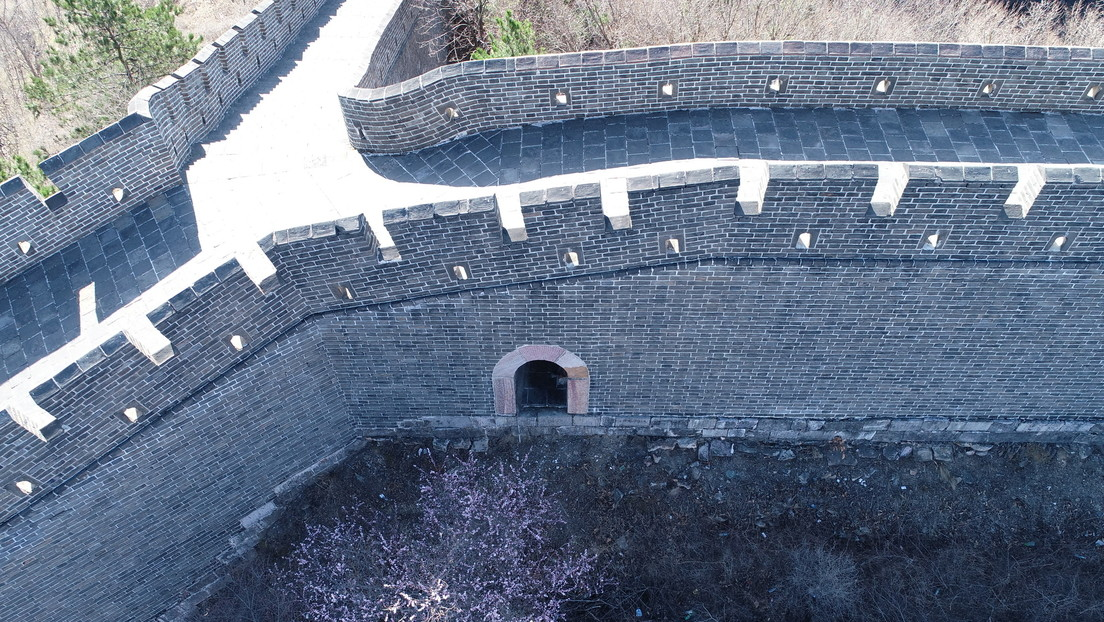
{"x":941,"y":283}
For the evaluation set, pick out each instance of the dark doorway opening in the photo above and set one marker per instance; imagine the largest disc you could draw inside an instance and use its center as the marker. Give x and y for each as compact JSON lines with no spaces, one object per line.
{"x":541,"y":384}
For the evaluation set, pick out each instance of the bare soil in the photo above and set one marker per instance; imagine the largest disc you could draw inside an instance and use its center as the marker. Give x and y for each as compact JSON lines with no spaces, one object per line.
{"x":770,"y":532}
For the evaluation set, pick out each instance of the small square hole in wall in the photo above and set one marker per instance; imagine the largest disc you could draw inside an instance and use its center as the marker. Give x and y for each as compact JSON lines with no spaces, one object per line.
{"x":25,"y":247}
{"x":459,"y":271}
{"x":561,"y":97}
{"x":933,"y":239}
{"x":989,"y":89}
{"x":449,"y":112}
{"x":343,"y":291}
{"x":1059,"y":243}
{"x":883,"y":86}
{"x":672,"y":243}
{"x":1093,"y":92}
{"x":131,"y":414}
{"x":237,"y":340}
{"x":776,"y":85}
{"x":23,"y":486}
{"x":668,"y":89}
{"x":804,"y":240}
{"x":571,"y":256}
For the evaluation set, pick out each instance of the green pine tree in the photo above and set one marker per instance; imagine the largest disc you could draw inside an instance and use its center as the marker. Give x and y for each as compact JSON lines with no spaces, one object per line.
{"x":515,"y":37}
{"x":104,"y":52}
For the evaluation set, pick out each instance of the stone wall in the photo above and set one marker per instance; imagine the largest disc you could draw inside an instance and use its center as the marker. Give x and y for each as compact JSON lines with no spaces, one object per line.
{"x":517,"y":91}
{"x":123,"y":539}
{"x":130,"y":161}
{"x":705,"y":346}
{"x":410,"y":43}
{"x":279,"y":356}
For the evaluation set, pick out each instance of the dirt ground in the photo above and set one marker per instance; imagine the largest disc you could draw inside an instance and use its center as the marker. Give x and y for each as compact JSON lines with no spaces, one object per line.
{"x":690,"y":530}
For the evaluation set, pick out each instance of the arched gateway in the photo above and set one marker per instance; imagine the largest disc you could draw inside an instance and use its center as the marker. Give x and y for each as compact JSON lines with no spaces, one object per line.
{"x":541,"y":376}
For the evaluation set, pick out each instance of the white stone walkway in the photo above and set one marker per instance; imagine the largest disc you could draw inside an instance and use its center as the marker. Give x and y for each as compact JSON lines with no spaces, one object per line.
{"x":283,"y":158}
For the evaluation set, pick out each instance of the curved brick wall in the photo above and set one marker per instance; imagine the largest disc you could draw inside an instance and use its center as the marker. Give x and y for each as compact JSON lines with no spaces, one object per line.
{"x":517,"y":91}
{"x":404,"y":47}
{"x":143,"y":153}
{"x":739,"y":334}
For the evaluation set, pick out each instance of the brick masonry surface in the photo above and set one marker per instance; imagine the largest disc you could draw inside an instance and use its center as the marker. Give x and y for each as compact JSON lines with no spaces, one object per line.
{"x":527,"y":153}
{"x":871,"y":332}
{"x":404,"y":47}
{"x":141,"y":155}
{"x":122,"y":540}
{"x":749,"y":339}
{"x":38,"y":307}
{"x":502,"y":93}
{"x":740,"y":333}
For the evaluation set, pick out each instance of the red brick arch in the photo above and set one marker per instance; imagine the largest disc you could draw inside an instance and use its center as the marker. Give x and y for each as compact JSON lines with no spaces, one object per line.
{"x":578,"y":377}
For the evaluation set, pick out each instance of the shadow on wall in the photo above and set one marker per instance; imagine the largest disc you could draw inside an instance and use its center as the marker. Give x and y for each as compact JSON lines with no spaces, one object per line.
{"x":288,"y":59}
{"x":532,"y":152}
{"x":39,"y":308}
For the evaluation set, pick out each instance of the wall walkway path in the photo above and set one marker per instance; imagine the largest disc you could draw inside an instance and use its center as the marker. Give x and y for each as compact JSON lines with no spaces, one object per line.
{"x":884,"y":135}
{"x":282,"y":156}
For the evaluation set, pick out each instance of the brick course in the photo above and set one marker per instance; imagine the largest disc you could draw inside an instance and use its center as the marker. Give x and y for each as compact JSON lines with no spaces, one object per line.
{"x":492,"y":94}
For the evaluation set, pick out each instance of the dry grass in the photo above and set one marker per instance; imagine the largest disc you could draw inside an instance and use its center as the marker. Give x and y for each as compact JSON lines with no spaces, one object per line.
{"x":575,"y":25}
{"x":23,"y":42}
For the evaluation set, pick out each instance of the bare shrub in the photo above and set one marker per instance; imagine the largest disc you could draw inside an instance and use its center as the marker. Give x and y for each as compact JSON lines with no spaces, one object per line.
{"x":576,"y":25}
{"x":821,"y":584}
{"x":460,"y":27}
{"x":248,"y":596}
{"x":484,"y":548}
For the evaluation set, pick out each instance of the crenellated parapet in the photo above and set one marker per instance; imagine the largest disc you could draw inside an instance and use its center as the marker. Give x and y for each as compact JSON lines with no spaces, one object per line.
{"x":141,"y":155}
{"x":475,"y":96}
{"x":853,"y":216}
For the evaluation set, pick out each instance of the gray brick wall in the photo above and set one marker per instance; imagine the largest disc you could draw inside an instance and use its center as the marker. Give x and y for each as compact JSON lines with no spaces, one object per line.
{"x":122,"y":540}
{"x":516,"y":91}
{"x":406,"y":46}
{"x":745,"y":338}
{"x":989,"y":336}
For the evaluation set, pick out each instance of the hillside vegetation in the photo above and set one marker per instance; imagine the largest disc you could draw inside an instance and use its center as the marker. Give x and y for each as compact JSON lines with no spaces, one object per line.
{"x":578,"y":25}
{"x":26,"y":40}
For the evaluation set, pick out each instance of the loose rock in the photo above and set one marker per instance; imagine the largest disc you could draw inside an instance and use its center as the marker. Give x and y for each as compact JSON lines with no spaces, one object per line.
{"x":867,"y":452}
{"x":686,"y":443}
{"x":837,"y":457}
{"x":703,"y":452}
{"x":664,"y":445}
{"x":721,"y":448}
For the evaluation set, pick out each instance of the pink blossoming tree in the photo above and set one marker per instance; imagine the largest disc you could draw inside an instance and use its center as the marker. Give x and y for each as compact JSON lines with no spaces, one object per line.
{"x":487,"y":547}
